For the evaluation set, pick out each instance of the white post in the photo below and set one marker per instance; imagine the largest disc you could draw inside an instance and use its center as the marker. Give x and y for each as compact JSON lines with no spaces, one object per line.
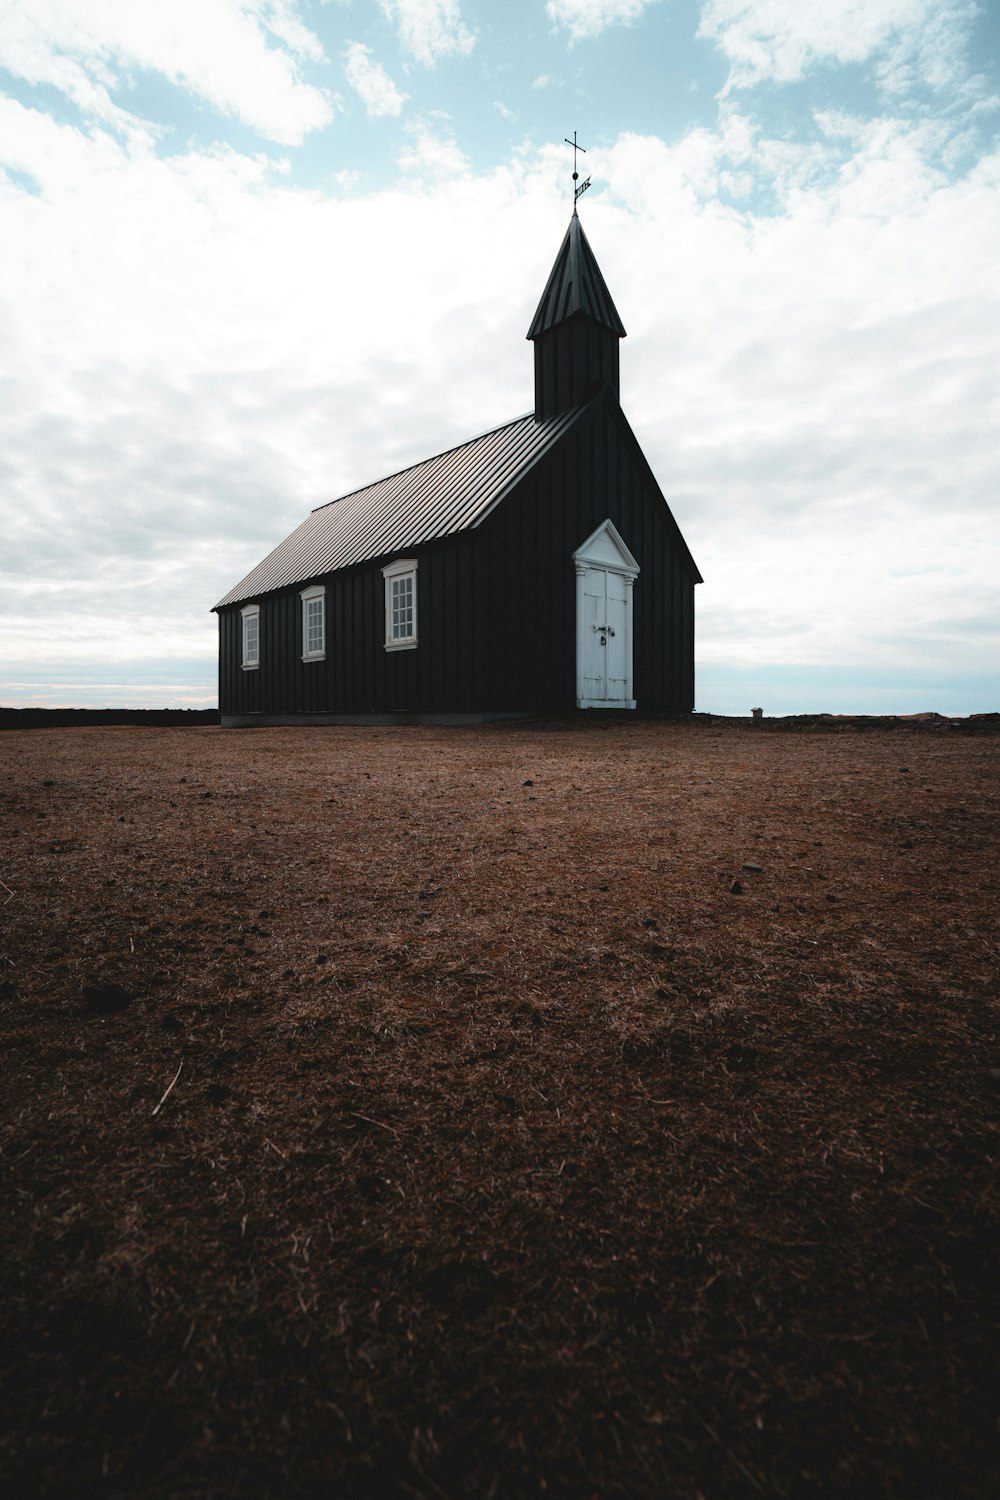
{"x":581,"y":622}
{"x":629,"y":683}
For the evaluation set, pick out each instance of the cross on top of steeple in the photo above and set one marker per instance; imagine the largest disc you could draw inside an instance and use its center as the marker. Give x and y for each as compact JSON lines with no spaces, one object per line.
{"x":578,"y":192}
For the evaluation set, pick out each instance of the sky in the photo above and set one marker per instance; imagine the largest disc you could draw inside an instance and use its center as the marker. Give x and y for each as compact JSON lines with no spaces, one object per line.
{"x":258,"y":253}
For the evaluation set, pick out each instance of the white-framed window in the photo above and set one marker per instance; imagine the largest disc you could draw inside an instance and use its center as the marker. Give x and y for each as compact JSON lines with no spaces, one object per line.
{"x":250,"y":621}
{"x":400,"y":605}
{"x":313,"y":623}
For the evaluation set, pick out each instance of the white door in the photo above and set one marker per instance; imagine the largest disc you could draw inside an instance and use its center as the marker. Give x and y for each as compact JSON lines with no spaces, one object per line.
{"x":605,"y":638}
{"x":605,"y":573}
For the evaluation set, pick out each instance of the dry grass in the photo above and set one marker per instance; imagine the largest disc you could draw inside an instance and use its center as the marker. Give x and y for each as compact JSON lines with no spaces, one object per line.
{"x":513,"y":1151}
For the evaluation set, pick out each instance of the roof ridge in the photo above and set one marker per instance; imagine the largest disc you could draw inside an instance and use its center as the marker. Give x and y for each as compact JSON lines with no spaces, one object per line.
{"x":419,"y":463}
{"x":561,"y":422}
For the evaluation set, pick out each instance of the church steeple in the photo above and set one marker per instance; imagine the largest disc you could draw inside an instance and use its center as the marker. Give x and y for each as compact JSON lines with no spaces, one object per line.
{"x":575,"y":330}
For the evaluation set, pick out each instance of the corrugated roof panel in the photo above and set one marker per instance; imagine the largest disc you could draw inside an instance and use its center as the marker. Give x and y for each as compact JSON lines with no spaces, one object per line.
{"x":441,"y":495}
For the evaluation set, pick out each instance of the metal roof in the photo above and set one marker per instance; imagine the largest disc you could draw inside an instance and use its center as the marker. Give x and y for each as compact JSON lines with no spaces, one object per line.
{"x":575,"y":285}
{"x":448,"y":493}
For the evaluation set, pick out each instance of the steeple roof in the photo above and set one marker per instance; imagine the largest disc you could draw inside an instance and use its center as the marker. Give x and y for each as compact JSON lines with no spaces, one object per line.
{"x":575,"y":285}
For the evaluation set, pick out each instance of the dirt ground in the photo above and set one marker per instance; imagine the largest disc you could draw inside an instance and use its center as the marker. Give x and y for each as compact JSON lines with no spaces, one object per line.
{"x":605,"y":1111}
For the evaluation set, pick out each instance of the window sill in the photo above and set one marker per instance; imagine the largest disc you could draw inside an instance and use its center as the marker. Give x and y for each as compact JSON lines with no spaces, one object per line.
{"x":315,"y":656}
{"x":250,"y":666}
{"x":401,"y":645}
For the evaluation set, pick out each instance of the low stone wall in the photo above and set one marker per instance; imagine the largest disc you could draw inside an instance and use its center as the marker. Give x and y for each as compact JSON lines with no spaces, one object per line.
{"x":80,"y":718}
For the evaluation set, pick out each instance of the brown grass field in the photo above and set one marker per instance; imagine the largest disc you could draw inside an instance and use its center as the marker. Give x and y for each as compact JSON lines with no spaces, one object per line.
{"x":434,"y":1112}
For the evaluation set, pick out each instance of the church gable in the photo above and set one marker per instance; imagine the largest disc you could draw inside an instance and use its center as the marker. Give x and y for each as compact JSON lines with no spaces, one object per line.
{"x":594,"y":490}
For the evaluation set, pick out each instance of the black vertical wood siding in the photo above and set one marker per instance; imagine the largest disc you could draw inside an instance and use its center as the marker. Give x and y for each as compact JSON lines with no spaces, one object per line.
{"x":496,"y":604}
{"x":573,"y":361}
{"x":596,"y":475}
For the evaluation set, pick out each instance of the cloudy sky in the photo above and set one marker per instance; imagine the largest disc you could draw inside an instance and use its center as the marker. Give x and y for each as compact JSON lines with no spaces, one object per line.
{"x":256,"y":253}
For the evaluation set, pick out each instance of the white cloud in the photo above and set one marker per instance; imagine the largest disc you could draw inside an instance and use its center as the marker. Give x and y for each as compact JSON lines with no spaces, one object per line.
{"x":910,"y":41}
{"x":429,"y":28}
{"x":282,"y":21}
{"x":433,"y":153}
{"x":218,"y":49}
{"x":587,"y":18}
{"x":371,"y":82}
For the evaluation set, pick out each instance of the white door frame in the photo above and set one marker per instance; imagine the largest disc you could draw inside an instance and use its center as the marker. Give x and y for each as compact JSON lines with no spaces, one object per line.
{"x":604,"y":550}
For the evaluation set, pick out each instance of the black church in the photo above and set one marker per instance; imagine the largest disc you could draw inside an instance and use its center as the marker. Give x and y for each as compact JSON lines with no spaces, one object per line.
{"x":536,"y":568}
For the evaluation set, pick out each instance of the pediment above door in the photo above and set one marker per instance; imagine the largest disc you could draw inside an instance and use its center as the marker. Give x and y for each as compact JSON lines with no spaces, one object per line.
{"x":606,"y":549}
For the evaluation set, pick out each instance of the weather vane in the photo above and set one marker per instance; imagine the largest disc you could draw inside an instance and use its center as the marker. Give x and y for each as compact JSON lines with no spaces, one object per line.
{"x":578,"y":192}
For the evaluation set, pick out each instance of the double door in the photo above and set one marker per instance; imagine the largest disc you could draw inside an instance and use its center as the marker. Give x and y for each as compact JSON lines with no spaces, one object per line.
{"x":603,"y":647}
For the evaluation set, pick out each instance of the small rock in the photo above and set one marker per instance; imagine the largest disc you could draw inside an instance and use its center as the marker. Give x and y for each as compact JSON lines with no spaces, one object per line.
{"x":756,"y":869}
{"x":736,"y":889}
{"x":650,"y":923}
{"x":527,"y":783}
